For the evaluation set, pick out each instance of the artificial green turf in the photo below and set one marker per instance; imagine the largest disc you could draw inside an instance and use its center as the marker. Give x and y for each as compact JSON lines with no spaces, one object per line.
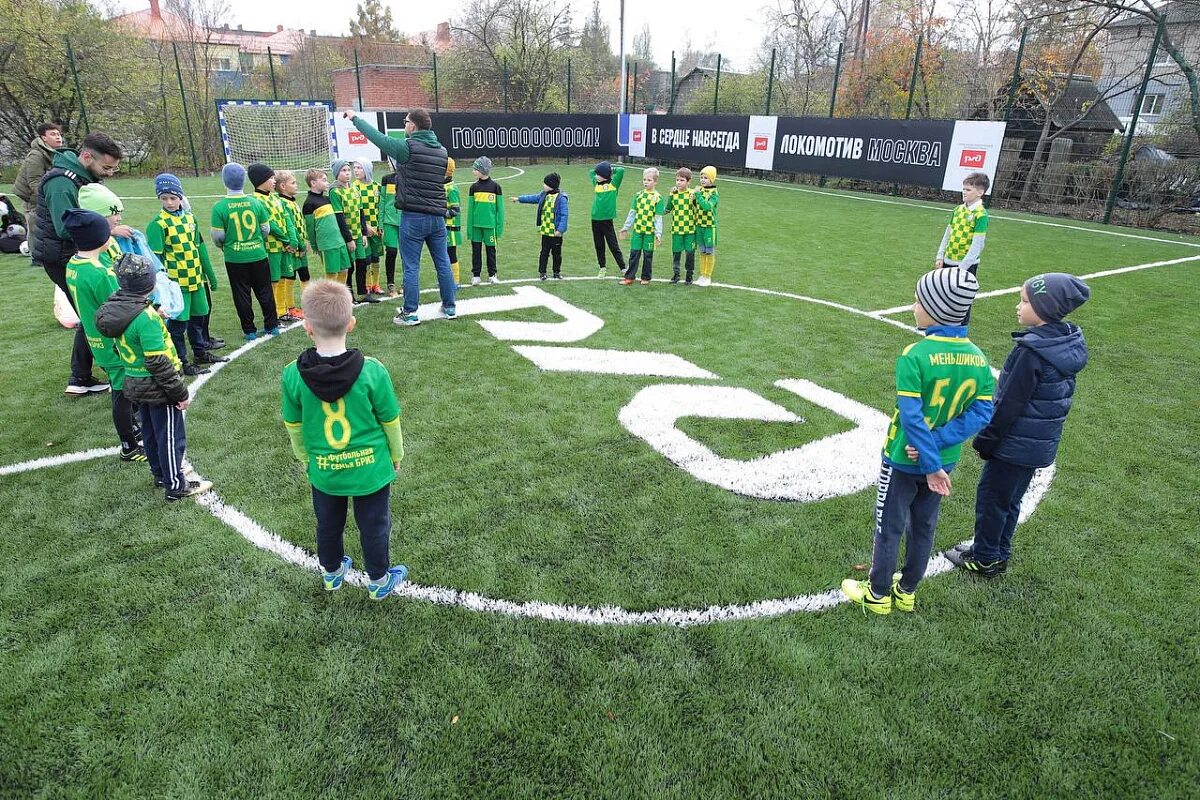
{"x":150,"y":651}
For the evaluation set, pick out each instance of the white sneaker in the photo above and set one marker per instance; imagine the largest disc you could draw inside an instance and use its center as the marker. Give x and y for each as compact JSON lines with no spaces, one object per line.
{"x":493,"y":279}
{"x":475,"y":280}
{"x":603,"y":272}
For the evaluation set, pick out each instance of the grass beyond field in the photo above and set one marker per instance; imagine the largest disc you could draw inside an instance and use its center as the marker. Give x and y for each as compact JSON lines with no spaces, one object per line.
{"x":153,"y":651}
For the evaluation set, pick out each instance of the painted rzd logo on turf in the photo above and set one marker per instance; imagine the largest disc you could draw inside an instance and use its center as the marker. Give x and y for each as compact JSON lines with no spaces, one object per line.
{"x":842,"y":464}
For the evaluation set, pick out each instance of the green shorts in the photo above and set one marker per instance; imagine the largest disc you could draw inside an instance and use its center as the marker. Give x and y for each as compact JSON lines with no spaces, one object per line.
{"x":361,"y":250}
{"x":375,"y":244}
{"x":485,"y":235}
{"x":195,"y":304}
{"x":453,"y":236}
{"x":275,"y":261}
{"x":115,"y":372}
{"x":391,"y":236}
{"x":336,"y":260}
{"x":642,"y":241}
{"x":707,"y":239}
{"x":683,"y":242}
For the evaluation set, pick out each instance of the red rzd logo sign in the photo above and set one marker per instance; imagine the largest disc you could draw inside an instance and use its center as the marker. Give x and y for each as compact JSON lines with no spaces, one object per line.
{"x":972,"y":158}
{"x":761,"y":143}
{"x":637,"y":136}
{"x":357,"y":138}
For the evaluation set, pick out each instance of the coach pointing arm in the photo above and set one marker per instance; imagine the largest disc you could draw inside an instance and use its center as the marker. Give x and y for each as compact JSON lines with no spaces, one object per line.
{"x":391,"y":147}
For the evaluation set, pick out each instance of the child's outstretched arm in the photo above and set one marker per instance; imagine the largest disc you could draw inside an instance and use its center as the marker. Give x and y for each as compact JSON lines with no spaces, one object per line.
{"x":527,"y":198}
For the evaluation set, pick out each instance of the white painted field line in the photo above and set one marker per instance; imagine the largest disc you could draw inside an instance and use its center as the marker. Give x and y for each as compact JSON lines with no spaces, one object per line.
{"x":1017,"y":289}
{"x":941,"y":209}
{"x":519,"y":172}
{"x":59,"y":460}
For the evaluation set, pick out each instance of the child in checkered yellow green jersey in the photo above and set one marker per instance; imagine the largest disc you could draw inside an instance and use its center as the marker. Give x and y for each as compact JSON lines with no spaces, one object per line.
{"x":645,"y":217}
{"x":962,"y":243}
{"x":706,"y":224}
{"x":551,"y":222}
{"x":453,"y":219}
{"x":681,"y":205}
{"x":279,"y":235}
{"x":389,"y":229}
{"x":351,"y":204}
{"x":368,"y":195}
{"x":295,"y":252}
{"x":175,"y":238}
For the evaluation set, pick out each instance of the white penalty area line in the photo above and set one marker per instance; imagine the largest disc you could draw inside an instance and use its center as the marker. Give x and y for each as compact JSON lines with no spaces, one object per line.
{"x":942,"y":210}
{"x":519,"y":172}
{"x":59,"y":460}
{"x":1017,"y":289}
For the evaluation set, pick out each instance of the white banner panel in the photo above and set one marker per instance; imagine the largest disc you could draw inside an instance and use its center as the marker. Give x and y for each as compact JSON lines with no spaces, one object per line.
{"x":975,"y":147}
{"x":760,"y":143}
{"x":350,"y":143}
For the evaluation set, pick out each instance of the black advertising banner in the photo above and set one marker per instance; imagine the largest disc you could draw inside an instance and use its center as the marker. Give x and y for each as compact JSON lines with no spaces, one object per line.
{"x":915,"y":152}
{"x":520,"y":135}
{"x":697,"y":139}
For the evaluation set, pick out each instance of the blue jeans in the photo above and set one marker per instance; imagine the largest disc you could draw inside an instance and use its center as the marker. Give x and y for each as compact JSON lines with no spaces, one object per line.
{"x":997,"y":507}
{"x":417,"y":230}
{"x":905,"y":508}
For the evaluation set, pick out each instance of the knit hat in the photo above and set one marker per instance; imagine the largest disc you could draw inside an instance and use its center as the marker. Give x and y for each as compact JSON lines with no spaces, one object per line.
{"x":449,"y":167}
{"x":99,"y":198}
{"x":233,"y":175}
{"x":483,"y":165}
{"x":710,"y":172}
{"x":259,"y":174}
{"x":368,"y":169}
{"x":135,"y":274}
{"x":166,"y":183}
{"x":87,"y":229}
{"x":1056,"y":294}
{"x":338,"y":163}
{"x":947,"y":293}
{"x":604,"y":170}
{"x":552,"y":180}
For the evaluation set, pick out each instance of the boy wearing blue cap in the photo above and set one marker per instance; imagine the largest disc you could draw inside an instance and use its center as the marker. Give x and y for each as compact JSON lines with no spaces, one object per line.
{"x":239,"y":225}
{"x":1034,"y":396}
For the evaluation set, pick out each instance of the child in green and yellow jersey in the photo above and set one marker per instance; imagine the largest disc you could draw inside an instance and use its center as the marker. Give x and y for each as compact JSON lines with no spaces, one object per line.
{"x":606,"y":182}
{"x":389,"y":229}
{"x":278,"y":237}
{"x":681,"y":205}
{"x":351,"y":202}
{"x":706,"y":224}
{"x":645,"y":218}
{"x":453,"y":219}
{"x":239,"y":226}
{"x":485,"y":219}
{"x":295,"y":254}
{"x":325,"y":224}
{"x":368,"y":195}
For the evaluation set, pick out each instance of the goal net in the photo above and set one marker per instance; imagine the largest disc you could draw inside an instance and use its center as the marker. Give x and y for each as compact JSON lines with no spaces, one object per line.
{"x":284,"y":134}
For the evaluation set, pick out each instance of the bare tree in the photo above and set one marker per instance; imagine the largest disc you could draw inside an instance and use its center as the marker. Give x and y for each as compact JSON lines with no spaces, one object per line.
{"x":804,"y":34}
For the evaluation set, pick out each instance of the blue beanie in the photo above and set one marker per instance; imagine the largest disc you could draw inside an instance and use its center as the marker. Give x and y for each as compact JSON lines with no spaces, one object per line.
{"x":233,"y":175}
{"x":604,"y":170}
{"x":337,"y":167}
{"x":166,"y":183}
{"x":1056,"y":294}
{"x":87,"y":229}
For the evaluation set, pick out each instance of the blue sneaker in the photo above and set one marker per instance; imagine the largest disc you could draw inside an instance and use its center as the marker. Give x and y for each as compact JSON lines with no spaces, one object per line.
{"x":379,"y":590}
{"x":407,"y":319}
{"x":271,"y":331}
{"x":251,"y":336}
{"x":449,"y":312}
{"x":333,"y":580}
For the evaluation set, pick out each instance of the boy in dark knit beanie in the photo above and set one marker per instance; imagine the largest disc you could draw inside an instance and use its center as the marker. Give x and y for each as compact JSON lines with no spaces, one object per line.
{"x":606,"y":181}
{"x":944,"y":389}
{"x":551,"y":222}
{"x":1036,"y":387}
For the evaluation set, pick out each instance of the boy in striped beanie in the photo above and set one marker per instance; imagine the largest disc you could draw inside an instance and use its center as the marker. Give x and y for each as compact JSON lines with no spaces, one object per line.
{"x":944,"y":390}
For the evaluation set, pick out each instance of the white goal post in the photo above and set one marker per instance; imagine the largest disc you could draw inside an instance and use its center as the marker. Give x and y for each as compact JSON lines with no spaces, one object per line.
{"x":284,"y":134}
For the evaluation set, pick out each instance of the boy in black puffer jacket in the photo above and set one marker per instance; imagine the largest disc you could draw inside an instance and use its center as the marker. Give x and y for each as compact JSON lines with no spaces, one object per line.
{"x":153,"y":373}
{"x":1032,"y":402}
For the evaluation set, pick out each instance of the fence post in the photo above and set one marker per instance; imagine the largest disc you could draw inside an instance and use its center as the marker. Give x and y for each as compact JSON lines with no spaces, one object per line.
{"x":568,"y":99}
{"x":770,"y":82}
{"x":436,"y":99}
{"x":633,"y":103}
{"x":1016,"y":79}
{"x":506,"y":84}
{"x":671,"y":109}
{"x":271,"y":64}
{"x":358,"y":79}
{"x":187,"y":118}
{"x":78,"y":91}
{"x":837,"y":74}
{"x":1137,"y":111}
{"x":717,"y":85}
{"x":912,"y":84}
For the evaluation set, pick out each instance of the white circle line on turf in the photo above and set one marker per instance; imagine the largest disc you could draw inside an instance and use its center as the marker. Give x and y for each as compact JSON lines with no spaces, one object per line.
{"x":260,"y":537}
{"x":519,"y":172}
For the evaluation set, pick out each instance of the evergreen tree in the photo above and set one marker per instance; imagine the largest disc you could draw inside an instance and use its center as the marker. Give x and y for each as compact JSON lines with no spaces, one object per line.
{"x":374,"y":22}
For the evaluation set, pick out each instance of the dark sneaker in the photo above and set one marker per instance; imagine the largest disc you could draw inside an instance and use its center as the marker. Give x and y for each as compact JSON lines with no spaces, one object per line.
{"x":192,"y":370}
{"x":971,"y":563}
{"x":368,"y":298}
{"x":192,"y":489}
{"x":89,"y":385}
{"x":675,"y":278}
{"x":215,"y":343}
{"x":206,"y":357}
{"x":558,"y":276}
{"x":541,"y":276}
{"x":134,"y":454}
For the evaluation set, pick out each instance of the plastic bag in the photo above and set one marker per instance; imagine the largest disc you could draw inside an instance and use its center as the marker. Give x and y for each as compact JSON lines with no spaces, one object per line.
{"x":167,"y":295}
{"x":63,"y":312}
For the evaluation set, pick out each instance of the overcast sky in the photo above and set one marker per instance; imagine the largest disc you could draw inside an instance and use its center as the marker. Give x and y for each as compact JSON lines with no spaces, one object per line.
{"x":734,"y":29}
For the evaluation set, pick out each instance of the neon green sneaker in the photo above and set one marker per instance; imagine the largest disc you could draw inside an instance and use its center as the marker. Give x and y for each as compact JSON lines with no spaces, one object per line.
{"x":860,"y":592}
{"x":902,"y":600}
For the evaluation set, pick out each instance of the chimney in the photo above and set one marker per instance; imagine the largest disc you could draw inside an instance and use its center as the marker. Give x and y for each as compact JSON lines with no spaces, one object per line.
{"x":239,"y":27}
{"x":279,"y":29}
{"x":155,"y":11}
{"x":313,"y":32}
{"x":443,"y":33}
